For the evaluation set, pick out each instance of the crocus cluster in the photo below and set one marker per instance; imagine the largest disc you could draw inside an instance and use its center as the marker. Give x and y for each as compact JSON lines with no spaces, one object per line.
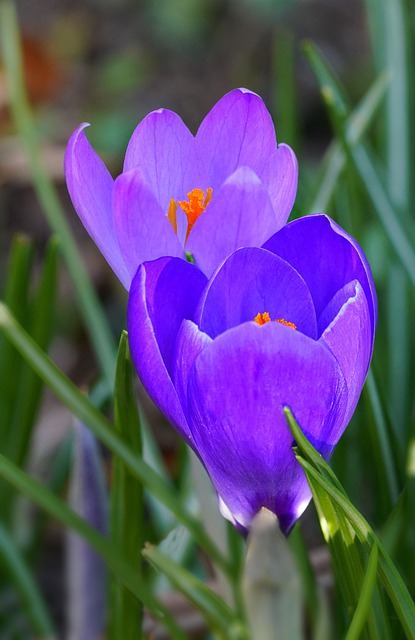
{"x":289,"y":324}
{"x":264,"y":315}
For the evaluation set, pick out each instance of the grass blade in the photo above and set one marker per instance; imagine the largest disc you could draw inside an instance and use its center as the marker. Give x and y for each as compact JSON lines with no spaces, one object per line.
{"x":347,"y":556}
{"x":356,"y":126}
{"x":319,"y":477}
{"x":126,"y":532}
{"x":16,"y":297}
{"x":390,"y":577}
{"x":407,"y":541}
{"x":362,"y":610}
{"x":30,"y":387}
{"x":308,"y":579}
{"x":395,"y":34}
{"x":381,"y":443}
{"x":285,"y":94}
{"x":399,"y":351}
{"x":372,"y":181}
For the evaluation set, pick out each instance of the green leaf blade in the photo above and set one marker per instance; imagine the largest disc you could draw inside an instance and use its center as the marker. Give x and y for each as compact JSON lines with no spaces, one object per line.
{"x":127,"y":524}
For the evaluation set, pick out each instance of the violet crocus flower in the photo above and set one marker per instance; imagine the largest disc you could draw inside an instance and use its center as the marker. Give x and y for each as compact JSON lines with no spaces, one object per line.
{"x":289,"y":324}
{"x":229,"y":186}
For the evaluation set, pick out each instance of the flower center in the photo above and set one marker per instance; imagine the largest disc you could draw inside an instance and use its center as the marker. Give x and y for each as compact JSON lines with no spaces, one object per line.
{"x":263,"y":318}
{"x":193,"y":207}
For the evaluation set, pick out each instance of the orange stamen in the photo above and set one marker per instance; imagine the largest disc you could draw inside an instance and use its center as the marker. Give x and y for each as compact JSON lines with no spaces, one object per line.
{"x":195,"y":206}
{"x":263,"y":318}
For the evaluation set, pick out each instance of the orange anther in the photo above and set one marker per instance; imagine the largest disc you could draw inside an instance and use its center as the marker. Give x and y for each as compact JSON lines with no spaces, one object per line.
{"x":287,"y":324}
{"x":262,"y":318}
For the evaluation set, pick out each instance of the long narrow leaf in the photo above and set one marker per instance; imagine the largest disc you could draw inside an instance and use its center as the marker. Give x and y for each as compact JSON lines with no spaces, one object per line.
{"x":408,"y":532}
{"x":16,"y":297}
{"x":387,"y":214}
{"x":127,"y":507}
{"x":400,"y":353}
{"x":356,"y":126}
{"x":312,"y":454}
{"x":30,"y":387}
{"x":308,"y":579}
{"x":382,"y":445}
{"x":362,"y":610}
{"x":391,"y":579}
{"x":285,"y":94}
{"x":318,"y":477}
{"x":398,"y":110}
{"x":347,"y":556}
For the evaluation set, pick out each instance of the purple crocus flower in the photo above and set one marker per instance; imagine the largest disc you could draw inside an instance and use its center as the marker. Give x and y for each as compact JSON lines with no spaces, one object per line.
{"x":229,"y":186}
{"x":291,"y":323}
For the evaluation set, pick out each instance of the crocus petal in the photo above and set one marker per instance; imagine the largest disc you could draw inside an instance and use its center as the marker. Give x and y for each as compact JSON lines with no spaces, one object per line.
{"x":190,"y":342}
{"x":237,"y":132}
{"x":240,"y":215}
{"x":143,"y":230}
{"x":90,"y":186}
{"x":237,"y":389}
{"x":163,"y":147}
{"x":163,"y":293}
{"x":280,"y":176}
{"x":327,"y":258}
{"x":253,"y":281}
{"x":348,"y":336}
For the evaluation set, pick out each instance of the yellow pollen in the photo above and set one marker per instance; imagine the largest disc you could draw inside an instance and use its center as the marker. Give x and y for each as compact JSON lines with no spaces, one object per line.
{"x":193,"y":207}
{"x":263,"y":318}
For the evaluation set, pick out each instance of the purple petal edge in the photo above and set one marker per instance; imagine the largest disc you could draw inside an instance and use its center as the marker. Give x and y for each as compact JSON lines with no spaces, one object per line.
{"x":90,"y":187}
